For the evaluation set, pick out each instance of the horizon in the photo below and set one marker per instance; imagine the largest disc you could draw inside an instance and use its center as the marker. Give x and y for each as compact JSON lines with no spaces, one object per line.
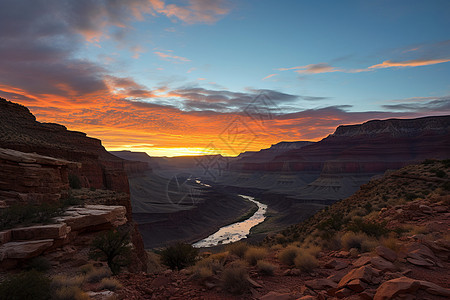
{"x":198,"y":77}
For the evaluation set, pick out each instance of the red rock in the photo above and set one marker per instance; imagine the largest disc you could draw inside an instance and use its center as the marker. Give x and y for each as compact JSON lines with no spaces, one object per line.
{"x":386,"y":253}
{"x":39,"y":232}
{"x":320,"y":284}
{"x":365,"y":273}
{"x":363,"y":260}
{"x":357,"y":285}
{"x":382,"y":264}
{"x":434,"y":289}
{"x":276,"y":296}
{"x":343,"y":254}
{"x":5,"y":236}
{"x":336,"y":264}
{"x":344,"y":292}
{"x":24,"y":250}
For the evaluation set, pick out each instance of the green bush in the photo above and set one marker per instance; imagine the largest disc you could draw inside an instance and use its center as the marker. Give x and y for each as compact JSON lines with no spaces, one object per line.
{"x":179,"y":256}
{"x":367,"y":227}
{"x":40,"y":264}
{"x":113,"y":247}
{"x":31,"y":285}
{"x":26,"y":214}
{"x":74,"y":181}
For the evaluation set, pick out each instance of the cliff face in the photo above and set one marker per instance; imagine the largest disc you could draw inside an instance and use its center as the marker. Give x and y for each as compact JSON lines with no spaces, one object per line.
{"x":33,"y":178}
{"x":40,"y":156}
{"x":20,"y":131}
{"x":371,"y":147}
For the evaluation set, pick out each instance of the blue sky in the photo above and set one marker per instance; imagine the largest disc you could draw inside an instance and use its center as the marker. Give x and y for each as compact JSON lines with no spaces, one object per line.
{"x":153,"y":74}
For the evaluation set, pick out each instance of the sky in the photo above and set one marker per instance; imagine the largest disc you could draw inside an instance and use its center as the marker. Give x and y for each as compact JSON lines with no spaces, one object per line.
{"x":223,"y":76}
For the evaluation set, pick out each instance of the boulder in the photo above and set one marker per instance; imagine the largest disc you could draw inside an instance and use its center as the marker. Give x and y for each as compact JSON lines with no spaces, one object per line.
{"x":357,"y":285}
{"x":405,"y":286}
{"x":79,"y":218}
{"x":363,"y":260}
{"x":277,"y":296}
{"x":37,"y":232}
{"x":386,"y":253}
{"x":344,"y":292}
{"x":336,"y":264}
{"x":364,"y":273}
{"x":321,"y":284}
{"x":382,"y":264}
{"x":24,"y":250}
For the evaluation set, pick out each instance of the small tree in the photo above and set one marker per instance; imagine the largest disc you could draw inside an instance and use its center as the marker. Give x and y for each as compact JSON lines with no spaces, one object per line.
{"x":179,"y":256}
{"x":113,"y":247}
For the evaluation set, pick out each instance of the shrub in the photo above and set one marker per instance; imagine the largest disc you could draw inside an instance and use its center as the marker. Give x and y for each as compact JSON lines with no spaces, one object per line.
{"x":26,"y":285}
{"x":74,"y":181}
{"x":113,"y":247}
{"x":234,"y":278}
{"x":254,"y":254}
{"x":69,"y":293}
{"x":201,"y":272}
{"x":238,"y":248}
{"x":110,"y":284}
{"x":305,"y":262}
{"x":215,"y":265}
{"x":153,"y":262}
{"x":368,"y":227}
{"x":288,"y":255}
{"x":59,"y":281}
{"x":40,"y":264}
{"x":25,"y":214}
{"x":97,"y":274}
{"x":179,"y":256}
{"x":353,"y":240}
{"x":440,"y":173}
{"x":265,"y":267}
{"x":84,"y":269}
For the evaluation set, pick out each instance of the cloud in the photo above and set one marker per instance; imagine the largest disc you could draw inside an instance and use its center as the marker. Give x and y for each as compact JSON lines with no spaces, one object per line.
{"x":313,"y":69}
{"x":269,"y":76}
{"x":436,"y":105}
{"x":197,"y":11}
{"x":409,"y":63}
{"x":171,"y":57}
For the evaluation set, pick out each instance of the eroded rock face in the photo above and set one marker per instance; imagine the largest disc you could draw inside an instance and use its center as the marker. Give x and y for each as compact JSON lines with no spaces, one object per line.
{"x":406,"y":286}
{"x":33,"y":178}
{"x":20,"y":131}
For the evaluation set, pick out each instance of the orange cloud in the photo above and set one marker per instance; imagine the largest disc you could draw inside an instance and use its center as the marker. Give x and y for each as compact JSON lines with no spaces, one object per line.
{"x":269,"y":76}
{"x":168,"y":56}
{"x":313,"y":69}
{"x":409,"y":63}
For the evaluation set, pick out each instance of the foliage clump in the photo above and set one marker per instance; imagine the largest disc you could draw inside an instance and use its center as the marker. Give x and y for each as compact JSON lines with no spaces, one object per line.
{"x":26,"y":285}
{"x":113,"y":247}
{"x":179,"y":256}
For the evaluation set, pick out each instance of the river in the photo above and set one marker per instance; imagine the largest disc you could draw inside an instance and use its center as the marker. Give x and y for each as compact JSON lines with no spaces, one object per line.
{"x":236,"y":231}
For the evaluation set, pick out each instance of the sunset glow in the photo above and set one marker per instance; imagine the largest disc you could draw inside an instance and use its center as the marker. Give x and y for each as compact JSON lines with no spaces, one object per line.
{"x":214,"y":76}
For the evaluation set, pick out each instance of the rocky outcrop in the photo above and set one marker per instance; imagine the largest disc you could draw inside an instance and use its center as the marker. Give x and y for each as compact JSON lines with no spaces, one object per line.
{"x":99,"y":169}
{"x":75,"y":227}
{"x":33,"y":178}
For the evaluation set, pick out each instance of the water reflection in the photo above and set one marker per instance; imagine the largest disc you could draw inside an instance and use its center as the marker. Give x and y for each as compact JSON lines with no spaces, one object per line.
{"x":236,"y":231}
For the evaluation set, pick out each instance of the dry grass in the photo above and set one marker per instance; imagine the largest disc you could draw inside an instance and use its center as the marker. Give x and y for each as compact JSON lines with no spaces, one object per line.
{"x":254,"y":254}
{"x":358,"y":240}
{"x":110,"y":284}
{"x":305,"y":261}
{"x":238,"y":248}
{"x":153,"y":263}
{"x":60,"y":281}
{"x":234,"y":278}
{"x":69,"y":293}
{"x":288,"y":255}
{"x":97,"y":274}
{"x":84,"y":269}
{"x":266,"y":267}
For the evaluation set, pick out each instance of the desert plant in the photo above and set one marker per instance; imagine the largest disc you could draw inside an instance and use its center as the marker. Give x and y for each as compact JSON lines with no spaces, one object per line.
{"x":26,"y":214}
{"x":26,"y":285}
{"x":305,"y":261}
{"x":74,"y":181}
{"x":353,"y":240}
{"x":254,"y":254}
{"x":97,"y":274}
{"x":113,"y":247}
{"x":69,"y":293}
{"x":110,"y":284}
{"x":288,"y":255}
{"x":238,"y":248}
{"x":84,"y":269}
{"x":368,"y":227}
{"x":40,"y":264}
{"x":153,"y":262}
{"x":265,"y":267}
{"x":234,"y":278}
{"x":179,"y":256}
{"x":59,"y":281}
